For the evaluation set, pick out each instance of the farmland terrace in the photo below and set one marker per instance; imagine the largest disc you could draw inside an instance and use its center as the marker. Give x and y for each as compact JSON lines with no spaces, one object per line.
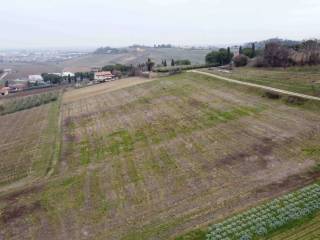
{"x":158,"y":159}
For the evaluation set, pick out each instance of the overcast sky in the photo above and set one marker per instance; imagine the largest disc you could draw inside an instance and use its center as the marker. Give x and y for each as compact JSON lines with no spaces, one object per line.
{"x":84,"y":23}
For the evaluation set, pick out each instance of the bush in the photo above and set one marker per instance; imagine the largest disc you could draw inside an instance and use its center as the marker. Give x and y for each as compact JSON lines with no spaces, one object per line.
{"x":295,"y":100}
{"x":221,"y":57}
{"x":257,"y":62}
{"x":240,"y":60}
{"x":272,"y":95}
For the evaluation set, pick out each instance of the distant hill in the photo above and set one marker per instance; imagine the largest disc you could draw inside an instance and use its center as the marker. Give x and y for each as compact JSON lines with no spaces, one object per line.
{"x":134,"y":55}
{"x":109,"y":50}
{"x":261,"y":44}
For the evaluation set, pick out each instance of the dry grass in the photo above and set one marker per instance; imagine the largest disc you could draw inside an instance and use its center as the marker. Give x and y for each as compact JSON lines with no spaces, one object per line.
{"x":99,"y":89}
{"x":27,"y":142}
{"x":155,"y":160}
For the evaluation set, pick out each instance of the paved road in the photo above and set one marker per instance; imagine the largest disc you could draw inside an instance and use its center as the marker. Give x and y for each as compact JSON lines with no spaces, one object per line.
{"x":258,"y":86}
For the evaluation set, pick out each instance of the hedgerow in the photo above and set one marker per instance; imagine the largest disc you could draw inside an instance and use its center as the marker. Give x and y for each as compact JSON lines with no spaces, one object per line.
{"x":259,"y":221}
{"x":20,"y":104}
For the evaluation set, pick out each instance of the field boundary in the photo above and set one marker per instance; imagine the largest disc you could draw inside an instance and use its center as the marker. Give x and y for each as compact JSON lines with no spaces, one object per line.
{"x":304,"y":96}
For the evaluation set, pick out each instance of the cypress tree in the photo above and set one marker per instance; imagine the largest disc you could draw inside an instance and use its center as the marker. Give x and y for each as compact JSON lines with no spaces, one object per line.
{"x":228,"y":54}
{"x":240,"y":50}
{"x":253,"y":50}
{"x":172,"y":63}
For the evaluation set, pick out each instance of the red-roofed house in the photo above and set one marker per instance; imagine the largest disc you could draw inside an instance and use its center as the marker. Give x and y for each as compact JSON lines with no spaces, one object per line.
{"x":103,"y":76}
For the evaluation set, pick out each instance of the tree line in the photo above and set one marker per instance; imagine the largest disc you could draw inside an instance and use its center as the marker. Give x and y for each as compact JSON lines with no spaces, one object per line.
{"x":273,"y":54}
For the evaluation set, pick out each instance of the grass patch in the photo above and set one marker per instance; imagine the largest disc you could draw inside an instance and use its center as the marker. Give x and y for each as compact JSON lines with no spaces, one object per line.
{"x":193,"y":235}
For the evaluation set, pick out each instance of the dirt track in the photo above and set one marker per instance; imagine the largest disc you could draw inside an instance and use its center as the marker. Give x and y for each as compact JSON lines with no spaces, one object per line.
{"x":258,"y":86}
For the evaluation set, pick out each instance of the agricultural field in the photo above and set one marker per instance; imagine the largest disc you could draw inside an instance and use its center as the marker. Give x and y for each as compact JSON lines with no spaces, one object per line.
{"x":304,"y":80}
{"x":261,"y":221}
{"x":161,"y":158}
{"x":27,"y":142}
{"x":307,"y":231}
{"x":95,"y":90}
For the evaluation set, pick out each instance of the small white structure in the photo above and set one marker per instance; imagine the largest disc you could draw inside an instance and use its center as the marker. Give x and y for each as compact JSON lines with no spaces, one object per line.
{"x":67,"y":74}
{"x":35,"y":78}
{"x":103,"y":76}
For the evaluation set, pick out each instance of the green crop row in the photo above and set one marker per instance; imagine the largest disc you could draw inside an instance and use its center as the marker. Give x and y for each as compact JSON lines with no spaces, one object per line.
{"x":265,"y":219}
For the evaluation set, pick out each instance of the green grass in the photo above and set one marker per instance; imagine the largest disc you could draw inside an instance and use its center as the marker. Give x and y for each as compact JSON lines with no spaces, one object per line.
{"x":51,"y":146}
{"x":295,"y":79}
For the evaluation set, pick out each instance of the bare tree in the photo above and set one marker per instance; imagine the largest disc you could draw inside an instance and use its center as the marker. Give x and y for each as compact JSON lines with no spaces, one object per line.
{"x":276,"y":55}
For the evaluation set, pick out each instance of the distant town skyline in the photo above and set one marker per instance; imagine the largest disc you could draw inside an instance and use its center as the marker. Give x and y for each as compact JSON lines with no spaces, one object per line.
{"x":89,"y":24}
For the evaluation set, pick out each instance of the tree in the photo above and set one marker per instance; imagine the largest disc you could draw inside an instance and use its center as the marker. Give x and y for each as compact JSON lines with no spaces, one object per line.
{"x":311,"y":50}
{"x":276,"y":55}
{"x":165,"y":63}
{"x":150,"y":65}
{"x":253,"y":50}
{"x":240,"y":50}
{"x":69,"y":79}
{"x":51,"y":78}
{"x":247,"y":52}
{"x":172,"y":63}
{"x":229,"y":53}
{"x":220,"y":57}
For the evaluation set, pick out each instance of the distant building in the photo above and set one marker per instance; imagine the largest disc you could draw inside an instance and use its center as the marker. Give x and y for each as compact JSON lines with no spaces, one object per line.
{"x":103,"y":76}
{"x":67,"y":74}
{"x":57,"y":74}
{"x":35,"y":79}
{"x":17,"y":87}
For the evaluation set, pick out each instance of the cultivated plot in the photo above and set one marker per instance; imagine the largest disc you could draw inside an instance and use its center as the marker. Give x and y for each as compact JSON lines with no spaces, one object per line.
{"x":155,"y":160}
{"x":27,"y":142}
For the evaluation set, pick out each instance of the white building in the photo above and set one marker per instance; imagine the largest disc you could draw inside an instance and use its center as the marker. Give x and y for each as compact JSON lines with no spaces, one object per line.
{"x":67,"y":74}
{"x":35,"y":78}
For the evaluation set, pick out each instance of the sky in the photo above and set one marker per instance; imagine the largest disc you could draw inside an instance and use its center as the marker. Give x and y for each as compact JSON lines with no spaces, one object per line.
{"x":94,"y":23}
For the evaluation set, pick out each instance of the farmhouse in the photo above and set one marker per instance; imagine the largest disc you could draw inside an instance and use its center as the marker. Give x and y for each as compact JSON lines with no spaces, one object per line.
{"x":103,"y":76}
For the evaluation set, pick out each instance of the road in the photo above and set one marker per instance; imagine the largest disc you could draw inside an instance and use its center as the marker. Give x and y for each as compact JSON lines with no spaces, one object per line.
{"x":304,"y":96}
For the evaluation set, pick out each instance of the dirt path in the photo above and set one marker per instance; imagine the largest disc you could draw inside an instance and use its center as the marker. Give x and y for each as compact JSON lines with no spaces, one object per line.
{"x":258,"y":86}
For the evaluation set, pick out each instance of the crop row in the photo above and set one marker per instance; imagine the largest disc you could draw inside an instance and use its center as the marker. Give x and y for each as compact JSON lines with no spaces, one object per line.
{"x":259,"y":221}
